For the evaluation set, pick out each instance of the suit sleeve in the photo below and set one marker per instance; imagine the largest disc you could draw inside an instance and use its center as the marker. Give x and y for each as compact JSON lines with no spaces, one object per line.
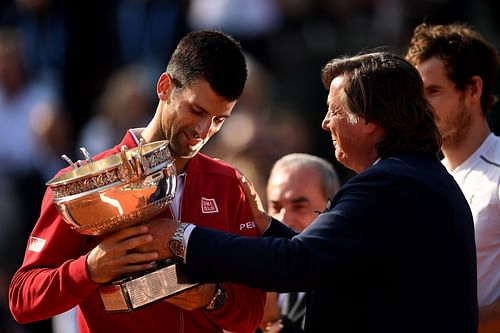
{"x":53,"y":277}
{"x":338,"y":241}
{"x":278,"y":229}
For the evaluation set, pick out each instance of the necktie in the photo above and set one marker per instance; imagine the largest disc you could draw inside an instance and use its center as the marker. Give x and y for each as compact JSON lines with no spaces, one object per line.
{"x":292,"y":300}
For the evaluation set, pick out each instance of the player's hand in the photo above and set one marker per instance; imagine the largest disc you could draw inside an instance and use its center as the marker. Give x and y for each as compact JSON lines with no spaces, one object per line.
{"x":274,"y":327}
{"x":114,"y":256}
{"x":161,"y":230}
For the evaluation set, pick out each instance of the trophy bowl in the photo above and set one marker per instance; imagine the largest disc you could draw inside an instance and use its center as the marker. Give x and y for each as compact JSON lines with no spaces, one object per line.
{"x":117,"y":191}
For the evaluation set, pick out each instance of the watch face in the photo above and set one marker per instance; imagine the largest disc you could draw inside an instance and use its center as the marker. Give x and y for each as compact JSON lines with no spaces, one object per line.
{"x":176,"y":247}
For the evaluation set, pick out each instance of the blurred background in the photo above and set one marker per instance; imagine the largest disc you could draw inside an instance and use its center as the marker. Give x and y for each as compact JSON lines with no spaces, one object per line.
{"x":80,"y":74}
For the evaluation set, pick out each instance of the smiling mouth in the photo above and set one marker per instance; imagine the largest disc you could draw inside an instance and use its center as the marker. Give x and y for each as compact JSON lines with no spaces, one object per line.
{"x":192,"y":140}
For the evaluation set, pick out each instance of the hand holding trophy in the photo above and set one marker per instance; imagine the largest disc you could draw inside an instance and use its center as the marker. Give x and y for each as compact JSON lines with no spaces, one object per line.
{"x":116,"y":195}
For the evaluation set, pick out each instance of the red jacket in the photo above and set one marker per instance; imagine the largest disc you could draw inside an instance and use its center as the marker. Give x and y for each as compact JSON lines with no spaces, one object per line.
{"x":53,"y":277}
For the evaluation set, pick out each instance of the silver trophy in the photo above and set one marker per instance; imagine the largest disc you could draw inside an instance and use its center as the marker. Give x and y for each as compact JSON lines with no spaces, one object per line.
{"x":120,"y":190}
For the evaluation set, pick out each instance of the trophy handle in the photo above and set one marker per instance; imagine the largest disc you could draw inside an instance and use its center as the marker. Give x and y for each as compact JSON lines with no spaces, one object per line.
{"x":137,"y":164}
{"x":133,"y":168}
{"x":70,"y":162}
{"x":86,"y":154}
{"x":138,"y":160}
{"x":127,"y":171}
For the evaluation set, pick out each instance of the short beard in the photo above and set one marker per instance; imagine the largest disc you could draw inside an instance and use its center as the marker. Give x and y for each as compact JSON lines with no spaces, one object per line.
{"x":458,"y":129}
{"x":182,"y":154}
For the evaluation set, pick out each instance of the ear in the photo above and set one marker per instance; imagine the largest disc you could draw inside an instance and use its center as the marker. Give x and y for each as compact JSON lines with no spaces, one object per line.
{"x":370,"y":127}
{"x":474,"y":89}
{"x":164,"y":85}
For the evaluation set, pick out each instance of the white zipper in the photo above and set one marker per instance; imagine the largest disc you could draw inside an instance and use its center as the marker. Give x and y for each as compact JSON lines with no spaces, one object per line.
{"x":177,"y":214}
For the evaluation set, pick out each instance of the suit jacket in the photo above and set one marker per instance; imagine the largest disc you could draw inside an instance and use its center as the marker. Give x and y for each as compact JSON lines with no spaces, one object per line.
{"x":394,"y":253}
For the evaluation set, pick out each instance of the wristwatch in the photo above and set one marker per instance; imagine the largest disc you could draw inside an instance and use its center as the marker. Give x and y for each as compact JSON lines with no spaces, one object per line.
{"x":176,"y":243}
{"x":218,"y":300}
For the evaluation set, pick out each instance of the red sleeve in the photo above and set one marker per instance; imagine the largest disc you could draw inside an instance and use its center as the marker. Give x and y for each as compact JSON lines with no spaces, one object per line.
{"x":243,"y":310}
{"x":244,"y":307}
{"x":53,"y":277}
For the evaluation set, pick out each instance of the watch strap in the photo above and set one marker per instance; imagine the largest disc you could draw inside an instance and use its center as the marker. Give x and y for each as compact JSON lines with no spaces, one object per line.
{"x":176,"y":244}
{"x":218,"y":299}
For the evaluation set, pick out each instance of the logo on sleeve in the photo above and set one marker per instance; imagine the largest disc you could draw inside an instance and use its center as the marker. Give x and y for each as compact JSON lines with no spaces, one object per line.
{"x":247,"y":225}
{"x":36,"y":244}
{"x":208,"y":206}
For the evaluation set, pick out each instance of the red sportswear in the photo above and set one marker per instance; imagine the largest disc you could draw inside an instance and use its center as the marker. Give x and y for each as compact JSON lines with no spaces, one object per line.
{"x":53,"y":277}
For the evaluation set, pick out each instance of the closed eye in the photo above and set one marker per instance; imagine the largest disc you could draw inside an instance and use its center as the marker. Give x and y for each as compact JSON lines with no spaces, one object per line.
{"x":432,"y":90}
{"x":219,"y":120}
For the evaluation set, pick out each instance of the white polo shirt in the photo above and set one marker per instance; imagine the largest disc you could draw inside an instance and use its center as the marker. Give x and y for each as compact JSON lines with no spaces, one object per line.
{"x":479,"y":179}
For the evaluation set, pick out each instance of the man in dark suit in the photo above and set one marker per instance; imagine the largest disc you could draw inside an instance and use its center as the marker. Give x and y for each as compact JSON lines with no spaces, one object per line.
{"x":395,"y":252}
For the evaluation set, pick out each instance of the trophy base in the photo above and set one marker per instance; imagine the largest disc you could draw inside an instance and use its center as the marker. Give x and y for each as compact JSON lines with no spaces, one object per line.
{"x":135,"y":291}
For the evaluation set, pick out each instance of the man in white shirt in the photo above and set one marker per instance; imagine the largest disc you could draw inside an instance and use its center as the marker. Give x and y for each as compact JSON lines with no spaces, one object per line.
{"x":458,"y":67}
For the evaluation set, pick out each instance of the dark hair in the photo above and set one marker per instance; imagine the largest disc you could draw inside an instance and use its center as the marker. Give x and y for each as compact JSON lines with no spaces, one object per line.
{"x":464,"y":52}
{"x":385,"y":89}
{"x":212,"y":56}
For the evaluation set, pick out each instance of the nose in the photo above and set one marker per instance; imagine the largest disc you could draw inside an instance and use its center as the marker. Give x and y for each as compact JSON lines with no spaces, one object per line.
{"x":203,"y":128}
{"x":325,"y":123}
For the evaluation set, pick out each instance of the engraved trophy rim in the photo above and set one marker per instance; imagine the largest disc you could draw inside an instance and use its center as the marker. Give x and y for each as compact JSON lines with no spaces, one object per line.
{"x":105,"y":164}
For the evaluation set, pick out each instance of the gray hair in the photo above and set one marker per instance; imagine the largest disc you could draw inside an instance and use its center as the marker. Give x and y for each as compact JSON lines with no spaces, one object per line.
{"x":329,"y":179}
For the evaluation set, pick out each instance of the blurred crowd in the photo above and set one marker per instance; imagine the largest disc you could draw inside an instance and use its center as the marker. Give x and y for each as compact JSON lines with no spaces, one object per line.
{"x":79,"y":74}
